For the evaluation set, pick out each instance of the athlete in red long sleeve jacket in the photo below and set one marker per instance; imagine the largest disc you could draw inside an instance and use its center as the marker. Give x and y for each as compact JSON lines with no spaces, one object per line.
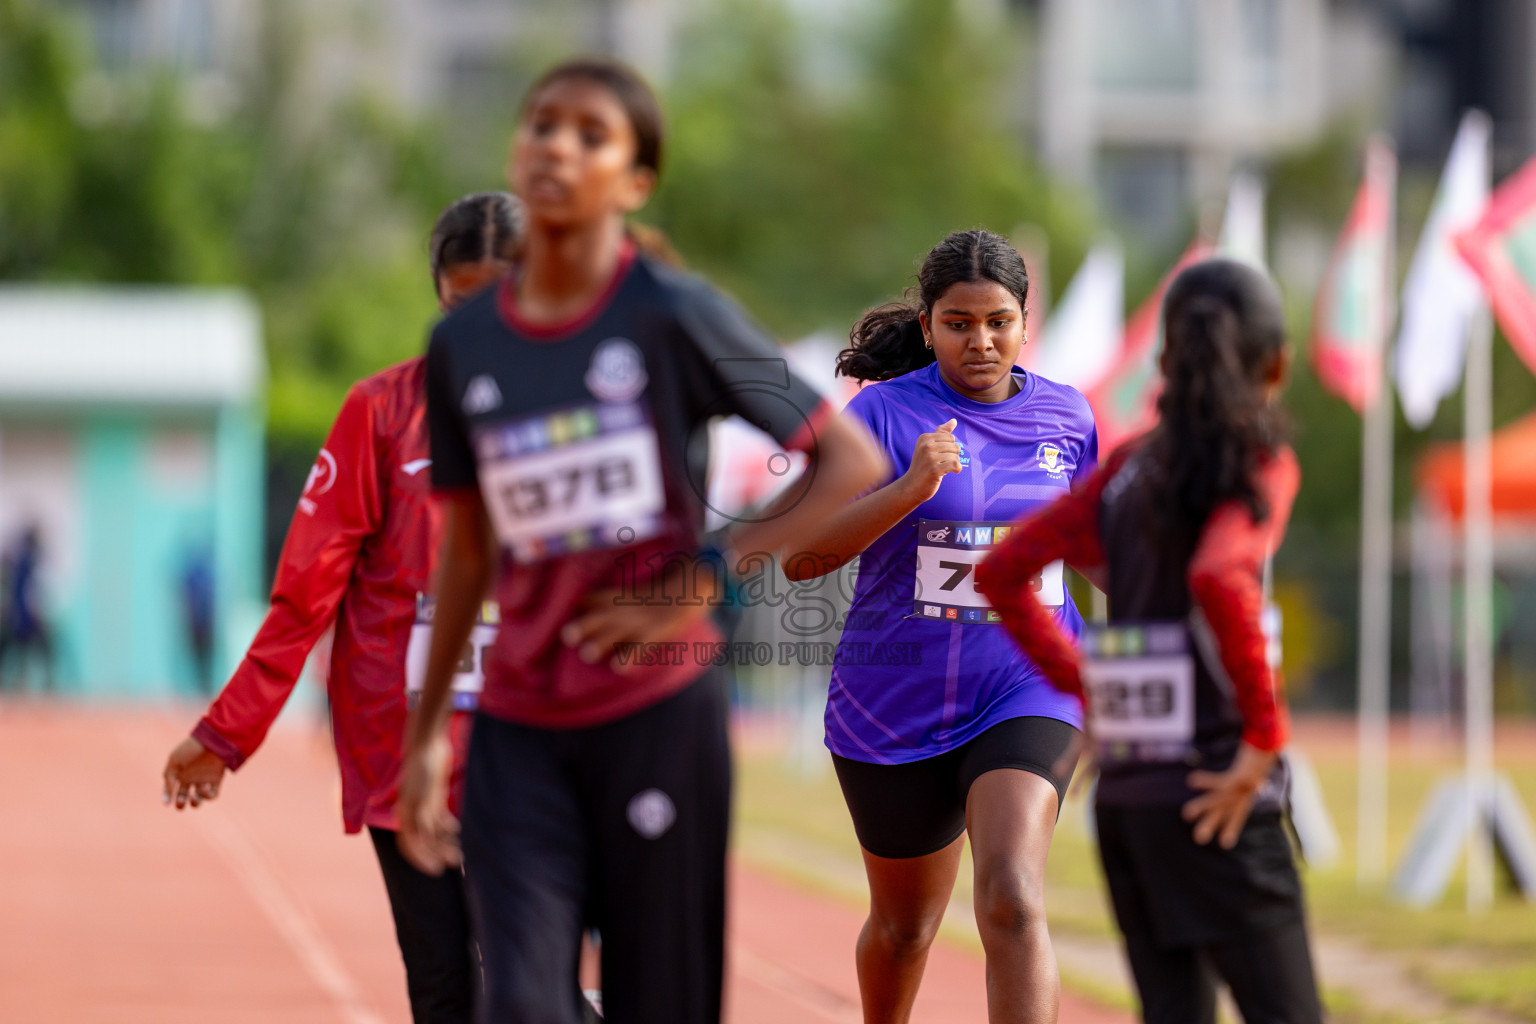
{"x":359,"y":550}
{"x":359,"y":554}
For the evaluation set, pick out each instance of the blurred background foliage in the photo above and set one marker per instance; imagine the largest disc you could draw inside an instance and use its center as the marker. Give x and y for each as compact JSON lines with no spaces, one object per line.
{"x":809,"y":209}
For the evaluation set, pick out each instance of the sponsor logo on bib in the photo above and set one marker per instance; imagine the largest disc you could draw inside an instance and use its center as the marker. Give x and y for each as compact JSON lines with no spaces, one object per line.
{"x":617,"y":373}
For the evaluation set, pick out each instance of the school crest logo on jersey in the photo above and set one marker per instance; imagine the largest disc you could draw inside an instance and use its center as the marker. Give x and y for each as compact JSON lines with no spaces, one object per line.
{"x":1052,"y":459}
{"x":617,"y":373}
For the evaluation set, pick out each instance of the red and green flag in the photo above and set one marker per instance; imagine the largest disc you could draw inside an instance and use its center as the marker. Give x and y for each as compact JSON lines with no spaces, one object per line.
{"x":1125,"y":402}
{"x":1353,"y":313}
{"x":1501,"y":247}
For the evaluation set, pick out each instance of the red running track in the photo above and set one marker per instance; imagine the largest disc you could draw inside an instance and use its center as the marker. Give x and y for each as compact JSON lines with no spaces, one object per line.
{"x":257,"y":908}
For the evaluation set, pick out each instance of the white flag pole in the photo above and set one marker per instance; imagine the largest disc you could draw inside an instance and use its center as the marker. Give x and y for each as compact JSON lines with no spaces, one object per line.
{"x":1375,"y":655}
{"x":1478,"y":481}
{"x":1375,"y":638}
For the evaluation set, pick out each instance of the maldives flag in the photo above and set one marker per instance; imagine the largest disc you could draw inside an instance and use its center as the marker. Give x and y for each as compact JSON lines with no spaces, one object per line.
{"x":1353,"y":312}
{"x":1125,"y":402}
{"x":1501,"y":247}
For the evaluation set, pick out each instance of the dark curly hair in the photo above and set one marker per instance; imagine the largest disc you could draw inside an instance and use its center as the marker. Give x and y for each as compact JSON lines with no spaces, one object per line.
{"x":475,"y":227}
{"x":888,"y":341}
{"x":1223,"y":331}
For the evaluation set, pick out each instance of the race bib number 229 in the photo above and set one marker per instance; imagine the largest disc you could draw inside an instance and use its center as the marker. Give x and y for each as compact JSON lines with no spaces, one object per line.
{"x":1140,"y":688}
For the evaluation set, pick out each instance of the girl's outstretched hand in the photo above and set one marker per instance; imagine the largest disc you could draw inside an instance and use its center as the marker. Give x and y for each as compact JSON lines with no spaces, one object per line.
{"x":192,"y":774}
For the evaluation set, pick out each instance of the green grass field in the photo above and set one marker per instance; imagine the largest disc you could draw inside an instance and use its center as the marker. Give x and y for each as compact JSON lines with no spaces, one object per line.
{"x":794,"y":822}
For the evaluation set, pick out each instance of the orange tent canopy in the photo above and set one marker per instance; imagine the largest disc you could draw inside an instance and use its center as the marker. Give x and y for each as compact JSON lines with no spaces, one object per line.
{"x":1442,"y":471}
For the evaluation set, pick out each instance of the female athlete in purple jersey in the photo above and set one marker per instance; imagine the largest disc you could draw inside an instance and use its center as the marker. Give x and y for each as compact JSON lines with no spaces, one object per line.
{"x":938,"y":726}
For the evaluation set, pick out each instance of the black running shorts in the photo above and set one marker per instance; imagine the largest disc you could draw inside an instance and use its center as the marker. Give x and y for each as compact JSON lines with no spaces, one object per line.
{"x":918,"y":808}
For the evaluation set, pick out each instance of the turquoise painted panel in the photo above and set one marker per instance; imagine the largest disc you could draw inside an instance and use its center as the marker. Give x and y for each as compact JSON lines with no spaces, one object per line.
{"x":170,"y":523}
{"x":239,"y":506}
{"x":111,"y":450}
{"x":125,"y":632}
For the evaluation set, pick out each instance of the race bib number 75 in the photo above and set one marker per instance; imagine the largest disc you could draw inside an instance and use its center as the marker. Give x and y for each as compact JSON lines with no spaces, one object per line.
{"x":947,"y":556}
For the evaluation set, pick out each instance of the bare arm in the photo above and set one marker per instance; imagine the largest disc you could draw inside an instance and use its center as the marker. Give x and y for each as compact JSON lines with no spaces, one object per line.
{"x":831,"y":539}
{"x":846,"y":461}
{"x":463,"y":575}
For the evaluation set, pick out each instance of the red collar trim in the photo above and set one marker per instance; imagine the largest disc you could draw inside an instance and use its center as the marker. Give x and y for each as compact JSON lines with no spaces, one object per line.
{"x":506,"y":302}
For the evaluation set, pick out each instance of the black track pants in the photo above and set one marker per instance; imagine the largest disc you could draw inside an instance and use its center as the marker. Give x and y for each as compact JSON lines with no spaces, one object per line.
{"x":1270,"y":975}
{"x":432,"y":924}
{"x":620,"y":826}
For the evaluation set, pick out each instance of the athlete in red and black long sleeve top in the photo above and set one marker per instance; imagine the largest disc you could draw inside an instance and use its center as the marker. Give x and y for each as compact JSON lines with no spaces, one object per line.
{"x":1223,"y":576}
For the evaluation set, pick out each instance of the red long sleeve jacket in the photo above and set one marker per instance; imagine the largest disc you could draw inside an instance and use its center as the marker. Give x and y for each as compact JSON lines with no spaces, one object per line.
{"x":359,"y":549}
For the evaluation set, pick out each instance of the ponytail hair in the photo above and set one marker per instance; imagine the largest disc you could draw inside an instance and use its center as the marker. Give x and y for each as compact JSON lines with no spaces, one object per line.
{"x":477,"y":227}
{"x":653,"y":242}
{"x":888,"y":340}
{"x":1223,"y":331}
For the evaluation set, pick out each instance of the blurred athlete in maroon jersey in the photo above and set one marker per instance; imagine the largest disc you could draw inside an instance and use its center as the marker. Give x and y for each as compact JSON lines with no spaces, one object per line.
{"x":569,"y":410}
{"x":1182,"y":693}
{"x":359,"y":553}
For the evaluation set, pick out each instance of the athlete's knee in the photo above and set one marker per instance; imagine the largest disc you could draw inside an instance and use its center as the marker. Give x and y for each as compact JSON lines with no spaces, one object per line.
{"x":1009,"y":901}
{"x":904,"y":935}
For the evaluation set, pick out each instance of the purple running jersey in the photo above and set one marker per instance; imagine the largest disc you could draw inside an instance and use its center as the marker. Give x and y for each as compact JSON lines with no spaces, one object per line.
{"x":923,"y":666}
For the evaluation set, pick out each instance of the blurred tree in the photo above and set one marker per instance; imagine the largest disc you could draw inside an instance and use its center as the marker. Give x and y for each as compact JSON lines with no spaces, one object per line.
{"x":813,"y":200}
{"x":810,"y":202}
{"x":324,"y":216}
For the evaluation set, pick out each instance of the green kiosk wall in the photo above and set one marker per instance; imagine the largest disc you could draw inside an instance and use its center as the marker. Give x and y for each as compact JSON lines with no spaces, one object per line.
{"x":132,"y":428}
{"x":129,"y":634}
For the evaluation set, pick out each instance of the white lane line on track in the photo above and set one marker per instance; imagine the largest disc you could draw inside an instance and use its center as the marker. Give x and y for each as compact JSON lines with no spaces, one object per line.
{"x":811,"y":996}
{"x":285,"y":913}
{"x":297,"y":927}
